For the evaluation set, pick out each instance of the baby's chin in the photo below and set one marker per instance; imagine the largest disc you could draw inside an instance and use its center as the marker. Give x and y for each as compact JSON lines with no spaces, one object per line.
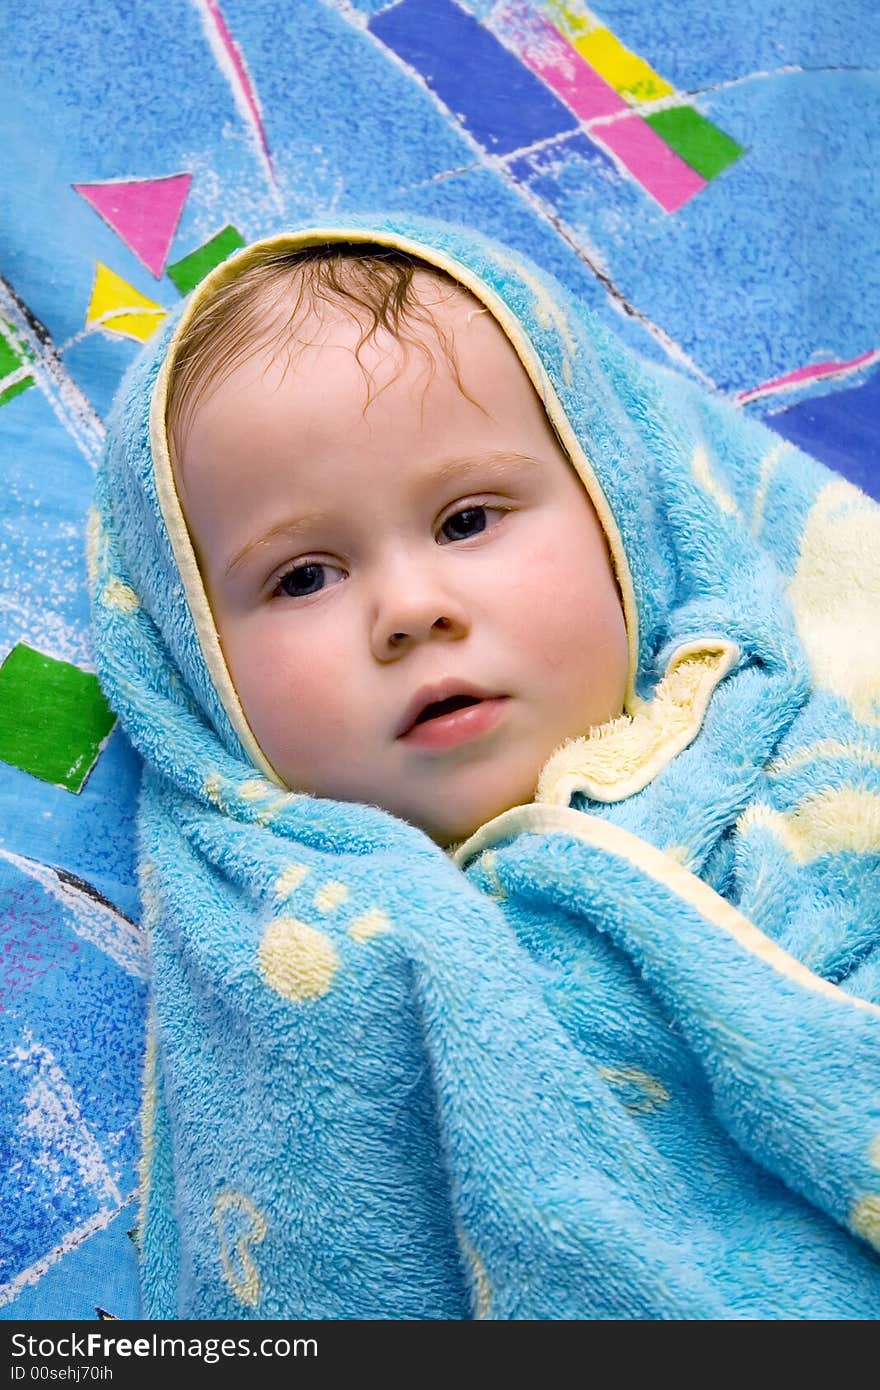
{"x":450,"y":819}
{"x":450,"y":832}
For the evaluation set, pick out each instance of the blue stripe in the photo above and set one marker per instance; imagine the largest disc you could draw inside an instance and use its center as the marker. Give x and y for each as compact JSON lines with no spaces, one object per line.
{"x":500,"y":102}
{"x":839,"y":429}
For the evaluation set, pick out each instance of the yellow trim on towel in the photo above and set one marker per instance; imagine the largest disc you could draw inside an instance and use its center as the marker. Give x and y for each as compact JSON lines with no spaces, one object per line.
{"x":717,"y":911}
{"x":169,"y":500}
{"x":188,"y":567}
{"x":618,"y":758}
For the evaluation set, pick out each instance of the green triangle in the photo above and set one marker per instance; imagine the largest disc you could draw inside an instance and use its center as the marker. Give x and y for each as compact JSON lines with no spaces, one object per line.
{"x":16,"y":389}
{"x":187,"y":273}
{"x":12,"y":358}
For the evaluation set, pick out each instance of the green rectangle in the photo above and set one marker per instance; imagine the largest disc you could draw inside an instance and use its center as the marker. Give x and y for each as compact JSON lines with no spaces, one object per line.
{"x":187,"y":272}
{"x":699,"y":143}
{"x":53,"y":717}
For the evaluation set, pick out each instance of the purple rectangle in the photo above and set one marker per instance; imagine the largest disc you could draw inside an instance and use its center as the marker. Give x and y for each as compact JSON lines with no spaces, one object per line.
{"x":503,"y":104}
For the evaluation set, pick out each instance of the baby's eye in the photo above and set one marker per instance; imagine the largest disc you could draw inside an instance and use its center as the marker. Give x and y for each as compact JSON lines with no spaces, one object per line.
{"x":304,"y":580}
{"x":470,"y":521}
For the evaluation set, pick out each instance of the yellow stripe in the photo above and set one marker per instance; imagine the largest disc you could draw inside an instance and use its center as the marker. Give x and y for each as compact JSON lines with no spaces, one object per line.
{"x":623,"y":70}
{"x":717,"y":911}
{"x":705,"y":478}
{"x":768,"y":467}
{"x":825,"y":748}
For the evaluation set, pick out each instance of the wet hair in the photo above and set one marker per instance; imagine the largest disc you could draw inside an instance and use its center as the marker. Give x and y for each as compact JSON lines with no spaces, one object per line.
{"x":263,"y":306}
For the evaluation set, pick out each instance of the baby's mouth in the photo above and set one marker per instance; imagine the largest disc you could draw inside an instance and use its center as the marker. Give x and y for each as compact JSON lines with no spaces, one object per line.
{"x":442,"y":716}
{"x":438,"y":708}
{"x":441,"y":699}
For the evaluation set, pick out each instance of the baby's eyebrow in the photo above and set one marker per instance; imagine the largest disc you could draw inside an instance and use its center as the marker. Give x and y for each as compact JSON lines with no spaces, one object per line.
{"x":498,"y":462}
{"x":289,"y":527}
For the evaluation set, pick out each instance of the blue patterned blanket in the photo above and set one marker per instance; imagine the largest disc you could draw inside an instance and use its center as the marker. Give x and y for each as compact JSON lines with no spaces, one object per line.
{"x":705,"y":190}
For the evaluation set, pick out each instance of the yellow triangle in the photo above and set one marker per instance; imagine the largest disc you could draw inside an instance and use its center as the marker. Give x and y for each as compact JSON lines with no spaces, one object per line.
{"x":114,"y":305}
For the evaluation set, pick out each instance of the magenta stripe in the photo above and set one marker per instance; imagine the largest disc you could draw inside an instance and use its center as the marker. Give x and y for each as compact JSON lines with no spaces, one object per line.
{"x":810,"y":373}
{"x":541,"y":47}
{"x":240,"y":70}
{"x":649,"y":159}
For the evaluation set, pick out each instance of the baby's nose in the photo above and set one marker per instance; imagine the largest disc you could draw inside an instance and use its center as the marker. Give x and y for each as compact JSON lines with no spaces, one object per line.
{"x":409,"y":617}
{"x":441,"y":624}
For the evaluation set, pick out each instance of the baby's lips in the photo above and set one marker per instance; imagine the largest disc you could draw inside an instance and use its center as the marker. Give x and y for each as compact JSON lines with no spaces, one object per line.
{"x":435,"y":694}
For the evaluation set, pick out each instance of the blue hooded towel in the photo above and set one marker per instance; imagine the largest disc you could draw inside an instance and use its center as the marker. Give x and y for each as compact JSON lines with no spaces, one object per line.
{"x":618,"y":1054}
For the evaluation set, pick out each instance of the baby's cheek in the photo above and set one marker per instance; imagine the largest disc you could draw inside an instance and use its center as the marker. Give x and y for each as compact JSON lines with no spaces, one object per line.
{"x":286,"y":698}
{"x":578,"y":640}
{"x":553,"y":605}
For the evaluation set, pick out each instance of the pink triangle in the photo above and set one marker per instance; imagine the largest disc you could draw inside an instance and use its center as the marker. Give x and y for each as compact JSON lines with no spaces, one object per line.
{"x":144,"y":212}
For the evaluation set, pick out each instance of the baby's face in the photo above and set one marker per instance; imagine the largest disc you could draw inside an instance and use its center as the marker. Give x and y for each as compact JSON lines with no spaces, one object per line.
{"x":364,"y":567}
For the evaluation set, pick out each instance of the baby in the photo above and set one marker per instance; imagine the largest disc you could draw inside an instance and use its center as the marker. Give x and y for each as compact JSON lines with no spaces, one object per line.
{"x":412,"y":590}
{"x":508,"y":833}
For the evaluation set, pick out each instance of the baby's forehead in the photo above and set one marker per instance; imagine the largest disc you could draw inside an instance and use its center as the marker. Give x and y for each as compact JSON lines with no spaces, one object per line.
{"x":432,"y":297}
{"x":272,"y":319}
{"x":432,"y":327}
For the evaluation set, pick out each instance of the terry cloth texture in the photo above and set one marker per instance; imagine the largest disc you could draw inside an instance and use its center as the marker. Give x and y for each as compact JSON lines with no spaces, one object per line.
{"x":617,"y":1055}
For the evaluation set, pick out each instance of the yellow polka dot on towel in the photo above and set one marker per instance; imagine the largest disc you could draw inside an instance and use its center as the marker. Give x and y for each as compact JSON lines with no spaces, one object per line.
{"x":212,"y":787}
{"x":641,"y":1092}
{"x":865,"y":1218}
{"x":119,"y":595}
{"x":369,"y":924}
{"x":330,"y":895}
{"x":296,"y":960}
{"x":290,"y":878}
{"x":829,"y":821}
{"x":240,"y":1227}
{"x":834,"y":595}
